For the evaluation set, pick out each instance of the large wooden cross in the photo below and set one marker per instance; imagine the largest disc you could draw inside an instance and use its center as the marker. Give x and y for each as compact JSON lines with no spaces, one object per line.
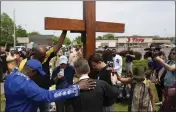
{"x":87,"y":27}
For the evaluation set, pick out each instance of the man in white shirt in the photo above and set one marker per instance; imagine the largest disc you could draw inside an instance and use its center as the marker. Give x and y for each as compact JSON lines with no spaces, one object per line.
{"x":117,"y":59}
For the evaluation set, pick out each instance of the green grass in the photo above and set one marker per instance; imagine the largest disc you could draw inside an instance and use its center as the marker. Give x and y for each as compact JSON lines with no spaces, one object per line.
{"x":118,"y":107}
{"x":123,"y":106}
{"x":2,"y":103}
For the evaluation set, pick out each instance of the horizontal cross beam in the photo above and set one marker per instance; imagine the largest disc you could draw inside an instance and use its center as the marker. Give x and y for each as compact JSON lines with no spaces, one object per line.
{"x":79,"y":25}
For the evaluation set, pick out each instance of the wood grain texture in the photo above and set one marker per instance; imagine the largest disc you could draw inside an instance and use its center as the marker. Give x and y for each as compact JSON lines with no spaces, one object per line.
{"x":87,"y":27}
{"x":90,"y":19}
{"x":64,"y":24}
{"x":78,"y":26}
{"x":110,"y":27}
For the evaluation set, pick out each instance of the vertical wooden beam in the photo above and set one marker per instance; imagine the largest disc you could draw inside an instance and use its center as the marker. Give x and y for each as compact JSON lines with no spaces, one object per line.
{"x":90,"y":19}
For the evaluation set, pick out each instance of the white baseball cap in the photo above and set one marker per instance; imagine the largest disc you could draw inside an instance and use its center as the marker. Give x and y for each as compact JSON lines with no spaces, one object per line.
{"x":63,"y":60}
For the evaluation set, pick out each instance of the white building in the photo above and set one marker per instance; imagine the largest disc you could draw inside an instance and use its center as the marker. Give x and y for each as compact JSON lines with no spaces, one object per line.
{"x":138,"y":41}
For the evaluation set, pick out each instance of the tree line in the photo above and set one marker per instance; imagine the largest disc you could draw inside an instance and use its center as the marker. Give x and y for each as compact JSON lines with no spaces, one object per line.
{"x":7,"y":30}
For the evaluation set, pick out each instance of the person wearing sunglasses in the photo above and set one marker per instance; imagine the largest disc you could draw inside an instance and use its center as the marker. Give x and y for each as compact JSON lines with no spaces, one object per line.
{"x":169,"y":103}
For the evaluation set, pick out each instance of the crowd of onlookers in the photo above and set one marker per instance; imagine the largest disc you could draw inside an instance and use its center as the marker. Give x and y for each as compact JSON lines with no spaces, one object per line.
{"x":40,"y":68}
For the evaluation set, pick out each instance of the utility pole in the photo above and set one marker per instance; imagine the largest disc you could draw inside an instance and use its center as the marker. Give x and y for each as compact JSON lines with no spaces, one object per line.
{"x":14,"y":30}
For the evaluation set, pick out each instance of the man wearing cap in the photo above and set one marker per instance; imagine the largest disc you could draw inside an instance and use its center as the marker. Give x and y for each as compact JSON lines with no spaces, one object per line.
{"x":23,"y":94}
{"x":44,"y":56}
{"x":62,"y":76}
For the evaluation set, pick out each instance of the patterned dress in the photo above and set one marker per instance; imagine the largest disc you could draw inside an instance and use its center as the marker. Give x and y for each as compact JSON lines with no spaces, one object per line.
{"x":140,"y":98}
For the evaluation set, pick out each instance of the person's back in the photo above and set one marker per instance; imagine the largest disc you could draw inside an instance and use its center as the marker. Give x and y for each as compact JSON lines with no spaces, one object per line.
{"x":94,"y":100}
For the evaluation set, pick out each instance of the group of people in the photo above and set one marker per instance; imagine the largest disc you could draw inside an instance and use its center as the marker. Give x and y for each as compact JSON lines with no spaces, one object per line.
{"x":29,"y":77}
{"x":161,"y":72}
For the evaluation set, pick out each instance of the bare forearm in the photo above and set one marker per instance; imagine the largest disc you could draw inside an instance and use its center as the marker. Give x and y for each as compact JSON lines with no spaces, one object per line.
{"x":168,"y":67}
{"x":132,"y":56}
{"x":165,"y":65}
{"x":125,"y":80}
{"x":60,"y":42}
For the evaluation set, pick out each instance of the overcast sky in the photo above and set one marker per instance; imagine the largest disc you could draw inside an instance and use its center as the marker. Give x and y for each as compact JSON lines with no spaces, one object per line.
{"x":140,"y":17}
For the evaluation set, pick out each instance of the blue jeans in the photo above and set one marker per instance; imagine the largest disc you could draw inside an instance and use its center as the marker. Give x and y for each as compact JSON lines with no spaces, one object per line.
{"x":44,"y":107}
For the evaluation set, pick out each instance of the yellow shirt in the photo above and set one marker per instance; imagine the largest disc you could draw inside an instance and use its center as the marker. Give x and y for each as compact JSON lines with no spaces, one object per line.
{"x":48,"y":53}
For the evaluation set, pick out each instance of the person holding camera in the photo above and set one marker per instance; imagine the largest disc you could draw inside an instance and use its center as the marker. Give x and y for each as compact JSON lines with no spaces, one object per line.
{"x":169,"y":103}
{"x":157,"y":68}
{"x":129,"y":59}
{"x":62,"y":76}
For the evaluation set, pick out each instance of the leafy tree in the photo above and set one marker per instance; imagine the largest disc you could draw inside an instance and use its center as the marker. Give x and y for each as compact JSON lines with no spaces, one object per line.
{"x":20,"y":32}
{"x":33,"y":33}
{"x":55,"y":40}
{"x":99,"y":37}
{"x":109,"y":36}
{"x":78,"y":40}
{"x":67,"y":41}
{"x":7,"y":29}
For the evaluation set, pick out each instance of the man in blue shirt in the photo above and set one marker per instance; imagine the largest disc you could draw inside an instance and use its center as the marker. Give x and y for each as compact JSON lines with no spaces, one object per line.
{"x":23,"y":94}
{"x":62,"y":76}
